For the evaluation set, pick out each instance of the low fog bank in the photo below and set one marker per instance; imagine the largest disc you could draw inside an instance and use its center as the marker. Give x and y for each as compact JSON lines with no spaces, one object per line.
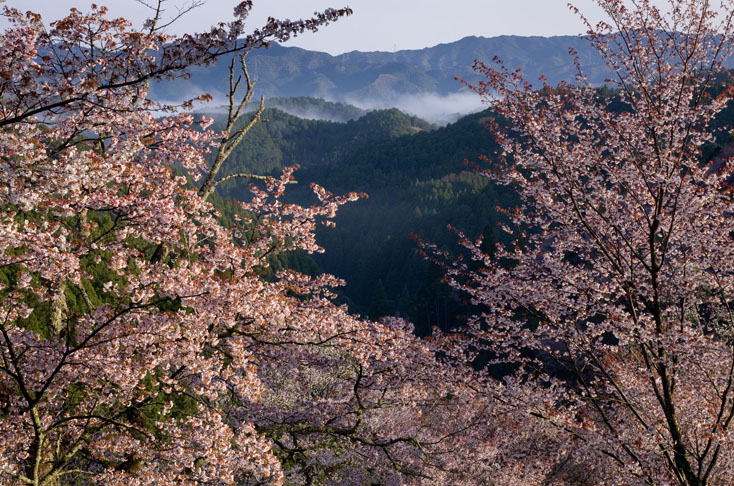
{"x":437,"y":109}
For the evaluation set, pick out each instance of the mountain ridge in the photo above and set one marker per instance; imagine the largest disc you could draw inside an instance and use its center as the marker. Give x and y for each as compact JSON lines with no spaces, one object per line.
{"x":422,"y":82}
{"x":380,"y":79}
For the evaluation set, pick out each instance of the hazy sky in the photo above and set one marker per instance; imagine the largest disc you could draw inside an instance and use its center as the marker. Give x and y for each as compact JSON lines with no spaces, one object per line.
{"x":381,"y":25}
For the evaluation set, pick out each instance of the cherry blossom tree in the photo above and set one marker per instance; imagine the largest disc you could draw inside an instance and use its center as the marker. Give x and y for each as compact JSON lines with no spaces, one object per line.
{"x":614,"y":297}
{"x":119,"y":367}
{"x":144,"y":342}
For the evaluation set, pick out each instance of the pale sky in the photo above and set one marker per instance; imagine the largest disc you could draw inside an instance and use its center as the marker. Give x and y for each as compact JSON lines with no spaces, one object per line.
{"x":377,"y":25}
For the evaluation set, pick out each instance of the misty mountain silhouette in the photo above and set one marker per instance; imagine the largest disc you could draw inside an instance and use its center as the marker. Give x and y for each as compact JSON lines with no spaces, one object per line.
{"x":384,"y":77}
{"x":421,"y":81}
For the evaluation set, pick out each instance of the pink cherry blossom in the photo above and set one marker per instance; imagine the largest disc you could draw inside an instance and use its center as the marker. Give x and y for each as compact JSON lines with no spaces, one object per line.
{"x":614,"y":295}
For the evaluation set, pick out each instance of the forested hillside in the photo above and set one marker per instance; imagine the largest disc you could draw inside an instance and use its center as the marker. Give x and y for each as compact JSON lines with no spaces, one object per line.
{"x":417,"y":185}
{"x":417,"y":182}
{"x":286,"y":140}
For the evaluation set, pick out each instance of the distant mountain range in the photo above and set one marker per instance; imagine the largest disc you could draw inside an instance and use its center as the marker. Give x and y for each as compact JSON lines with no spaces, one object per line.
{"x":418,"y":81}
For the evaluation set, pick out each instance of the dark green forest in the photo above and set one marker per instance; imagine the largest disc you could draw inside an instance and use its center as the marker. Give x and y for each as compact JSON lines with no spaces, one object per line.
{"x":417,"y":184}
{"x":418,"y":181}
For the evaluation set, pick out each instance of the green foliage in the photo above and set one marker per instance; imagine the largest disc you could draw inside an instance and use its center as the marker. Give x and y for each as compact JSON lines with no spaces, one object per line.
{"x":417,"y":184}
{"x":285,"y":140}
